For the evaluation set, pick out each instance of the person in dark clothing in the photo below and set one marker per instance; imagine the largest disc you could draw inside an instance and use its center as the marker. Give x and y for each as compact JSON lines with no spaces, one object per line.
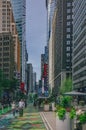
{"x":39,"y":103}
{"x":34,"y":103}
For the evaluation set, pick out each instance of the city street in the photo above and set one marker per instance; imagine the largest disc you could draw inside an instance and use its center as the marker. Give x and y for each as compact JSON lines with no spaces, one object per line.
{"x":42,"y":64}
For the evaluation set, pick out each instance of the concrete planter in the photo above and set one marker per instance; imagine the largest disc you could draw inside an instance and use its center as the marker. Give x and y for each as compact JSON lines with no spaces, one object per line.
{"x":65,"y":124}
{"x":53,"y":106}
{"x":84,"y":127}
{"x":46,"y":107}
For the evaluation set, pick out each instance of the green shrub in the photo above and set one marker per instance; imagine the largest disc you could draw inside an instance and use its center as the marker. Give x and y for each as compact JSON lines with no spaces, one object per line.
{"x":66,"y":101}
{"x":61,"y":113}
{"x":82,"y":118}
{"x":72,"y":113}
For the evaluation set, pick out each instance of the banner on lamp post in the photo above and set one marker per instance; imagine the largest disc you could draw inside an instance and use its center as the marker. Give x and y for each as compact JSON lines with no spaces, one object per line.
{"x":45,"y":70}
{"x":22,"y":86}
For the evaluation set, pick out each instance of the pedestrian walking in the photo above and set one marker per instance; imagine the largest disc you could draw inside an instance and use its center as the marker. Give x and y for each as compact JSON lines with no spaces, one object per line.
{"x":17,"y":109}
{"x":13,"y":108}
{"x":25,"y":101}
{"x":39,"y":103}
{"x":34,"y":104}
{"x":21,"y":107}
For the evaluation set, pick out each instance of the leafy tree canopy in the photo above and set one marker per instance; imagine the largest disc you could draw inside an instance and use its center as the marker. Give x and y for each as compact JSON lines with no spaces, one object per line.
{"x":66,"y":86}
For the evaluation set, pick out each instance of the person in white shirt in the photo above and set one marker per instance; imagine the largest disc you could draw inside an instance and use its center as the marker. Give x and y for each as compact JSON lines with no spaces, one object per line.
{"x":13,"y":108}
{"x":21,"y":107}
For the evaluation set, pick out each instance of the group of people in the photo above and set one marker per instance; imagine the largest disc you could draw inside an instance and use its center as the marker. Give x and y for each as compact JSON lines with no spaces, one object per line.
{"x":18,"y":108}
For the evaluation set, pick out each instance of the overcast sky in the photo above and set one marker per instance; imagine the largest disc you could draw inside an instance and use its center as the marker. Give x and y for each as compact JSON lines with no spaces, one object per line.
{"x":36,"y":32}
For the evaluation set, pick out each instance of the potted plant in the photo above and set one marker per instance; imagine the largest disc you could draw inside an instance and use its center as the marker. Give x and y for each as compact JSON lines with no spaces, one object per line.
{"x":65,"y":114}
{"x":61,"y":113}
{"x":46,"y":105}
{"x":63,"y":119}
{"x":72,"y":113}
{"x":82,"y":120}
{"x":52,"y":102}
{"x":66,"y":103}
{"x":53,"y":106}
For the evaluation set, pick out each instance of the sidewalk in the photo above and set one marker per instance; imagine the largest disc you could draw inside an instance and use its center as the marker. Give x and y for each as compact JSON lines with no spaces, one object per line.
{"x":49,"y":119}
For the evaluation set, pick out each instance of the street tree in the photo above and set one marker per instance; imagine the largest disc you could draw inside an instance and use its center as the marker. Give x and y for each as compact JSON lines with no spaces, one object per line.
{"x":66,"y":85}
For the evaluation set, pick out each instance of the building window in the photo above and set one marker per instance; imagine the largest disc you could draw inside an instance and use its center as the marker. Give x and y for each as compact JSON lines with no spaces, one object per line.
{"x":1,"y":59}
{"x":7,"y":75}
{"x":6,"y":38}
{"x":6,"y":54}
{"x":0,"y":43}
{"x":68,"y":48}
{"x":68,"y":29}
{"x":5,"y":59}
{"x":0,"y":49}
{"x":6,"y":48}
{"x":68,"y":60}
{"x":6,"y":64}
{"x":6,"y":43}
{"x":3,"y":1}
{"x":68,"y":42}
{"x":68,"y":23}
{"x":0,"y":54}
{"x":0,"y":65}
{"x":68,"y":54}
{"x":0,"y":38}
{"x":4,"y":10}
{"x":68,"y":11}
{"x":68,"y":35}
{"x":67,"y":67}
{"x":68,"y":17}
{"x":68,"y":4}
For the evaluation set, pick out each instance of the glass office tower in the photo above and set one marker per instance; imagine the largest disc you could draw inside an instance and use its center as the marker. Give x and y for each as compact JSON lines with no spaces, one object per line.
{"x":19,"y":12}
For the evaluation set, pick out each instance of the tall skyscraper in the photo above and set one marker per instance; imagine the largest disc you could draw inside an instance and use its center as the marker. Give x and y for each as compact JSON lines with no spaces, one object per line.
{"x":51,"y":5}
{"x":34,"y":82}
{"x":7,"y":27}
{"x":51,"y":52}
{"x":79,"y":45}
{"x":61,"y":42}
{"x":30,"y":77}
{"x":19,"y":13}
{"x":44,"y":71}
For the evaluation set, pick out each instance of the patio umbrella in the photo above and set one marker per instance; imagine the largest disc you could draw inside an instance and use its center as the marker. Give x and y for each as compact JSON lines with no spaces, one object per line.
{"x":74,"y":93}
